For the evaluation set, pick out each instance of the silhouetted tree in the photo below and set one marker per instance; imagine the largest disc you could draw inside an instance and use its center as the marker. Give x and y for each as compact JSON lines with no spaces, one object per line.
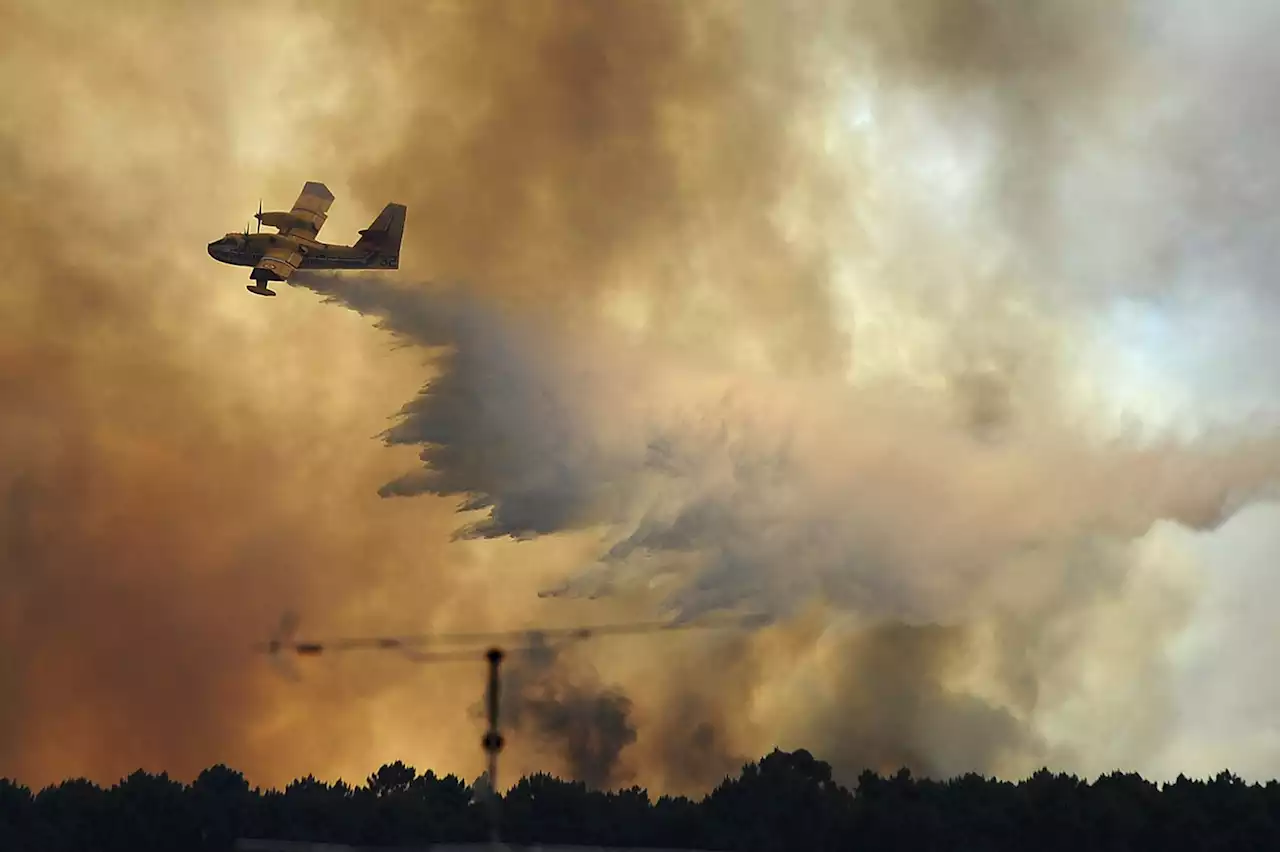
{"x":16,"y":811}
{"x":223,"y":807}
{"x":147,"y":813}
{"x":68,"y":817}
{"x":786,"y":801}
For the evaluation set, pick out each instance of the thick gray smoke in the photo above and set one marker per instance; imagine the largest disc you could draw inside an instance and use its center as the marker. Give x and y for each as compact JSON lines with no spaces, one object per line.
{"x":568,"y":709}
{"x":760,"y":491}
{"x":726,"y":489}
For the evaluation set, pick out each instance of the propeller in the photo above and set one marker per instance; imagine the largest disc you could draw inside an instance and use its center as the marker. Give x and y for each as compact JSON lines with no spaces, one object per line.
{"x":259,"y":215}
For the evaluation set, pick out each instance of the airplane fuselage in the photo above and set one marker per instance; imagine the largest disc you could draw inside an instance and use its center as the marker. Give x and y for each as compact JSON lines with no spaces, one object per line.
{"x":294,"y":246}
{"x":248,"y":250}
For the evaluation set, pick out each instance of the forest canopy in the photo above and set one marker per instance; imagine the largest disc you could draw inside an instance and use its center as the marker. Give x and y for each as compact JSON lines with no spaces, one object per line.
{"x":785,"y":801}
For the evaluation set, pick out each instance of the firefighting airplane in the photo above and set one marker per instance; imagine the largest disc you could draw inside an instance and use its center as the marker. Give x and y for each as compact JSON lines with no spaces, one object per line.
{"x":274,"y":257}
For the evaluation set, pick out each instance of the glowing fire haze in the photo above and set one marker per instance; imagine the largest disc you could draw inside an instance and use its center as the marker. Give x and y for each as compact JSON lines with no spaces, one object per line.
{"x":938,"y":329}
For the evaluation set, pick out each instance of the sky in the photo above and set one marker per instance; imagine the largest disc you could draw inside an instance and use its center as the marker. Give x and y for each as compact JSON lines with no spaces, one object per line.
{"x":940,"y":331}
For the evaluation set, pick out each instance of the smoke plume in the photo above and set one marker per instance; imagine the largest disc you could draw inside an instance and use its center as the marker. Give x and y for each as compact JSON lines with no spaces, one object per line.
{"x":803,"y":307}
{"x":578,"y":717}
{"x":731,"y":490}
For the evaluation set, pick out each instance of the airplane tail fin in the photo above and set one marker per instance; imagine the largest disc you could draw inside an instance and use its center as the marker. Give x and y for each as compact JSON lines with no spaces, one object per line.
{"x":382,"y":238}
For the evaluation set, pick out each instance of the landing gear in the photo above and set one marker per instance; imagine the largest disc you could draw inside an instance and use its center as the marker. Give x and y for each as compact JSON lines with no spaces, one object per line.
{"x":260,"y":288}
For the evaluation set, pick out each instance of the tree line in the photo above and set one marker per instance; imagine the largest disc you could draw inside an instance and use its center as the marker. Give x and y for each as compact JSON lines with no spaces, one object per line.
{"x":786,"y":802}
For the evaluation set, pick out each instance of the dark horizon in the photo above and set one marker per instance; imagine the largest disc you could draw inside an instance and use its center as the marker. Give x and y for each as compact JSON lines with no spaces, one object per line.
{"x":786,"y":800}
{"x":1083,"y":778}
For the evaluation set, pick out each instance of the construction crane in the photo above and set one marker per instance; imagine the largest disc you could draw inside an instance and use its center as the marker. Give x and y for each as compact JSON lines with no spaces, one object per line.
{"x":493,"y":648}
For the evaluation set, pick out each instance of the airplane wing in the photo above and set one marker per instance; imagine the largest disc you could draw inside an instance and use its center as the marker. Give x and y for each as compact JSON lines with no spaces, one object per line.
{"x":309,"y":211}
{"x":280,"y":261}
